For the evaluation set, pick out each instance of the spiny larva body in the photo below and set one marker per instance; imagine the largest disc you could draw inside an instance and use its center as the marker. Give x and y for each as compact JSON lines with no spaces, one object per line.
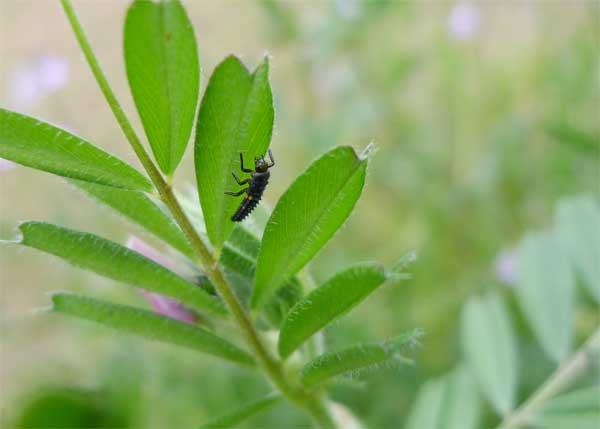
{"x":256,"y":186}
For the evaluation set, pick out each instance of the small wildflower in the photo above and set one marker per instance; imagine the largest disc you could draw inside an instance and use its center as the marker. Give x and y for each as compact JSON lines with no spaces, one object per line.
{"x":506,"y":267}
{"x":463,"y":21}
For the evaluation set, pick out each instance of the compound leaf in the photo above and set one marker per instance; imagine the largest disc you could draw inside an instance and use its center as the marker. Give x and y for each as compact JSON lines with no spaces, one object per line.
{"x":357,"y":359}
{"x":149,"y":325}
{"x":161,"y":58}
{"x":335,"y":297}
{"x":235,"y":417}
{"x":306,"y":217}
{"x":36,"y":144}
{"x":236,"y":115}
{"x":109,"y":259}
{"x":489,"y":346}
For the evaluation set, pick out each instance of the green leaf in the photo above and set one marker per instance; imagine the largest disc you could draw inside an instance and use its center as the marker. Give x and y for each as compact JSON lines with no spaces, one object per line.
{"x":140,"y":209}
{"x":546,"y":292}
{"x":579,"y":409}
{"x":323,"y":305}
{"x":235,"y":417}
{"x":149,"y":325}
{"x":33,"y":143}
{"x":357,"y":359}
{"x":236,"y":115}
{"x":450,"y":402}
{"x":578,"y":228}
{"x":161,"y":58}
{"x":489,"y":347}
{"x":116,"y":262}
{"x":306,"y":217}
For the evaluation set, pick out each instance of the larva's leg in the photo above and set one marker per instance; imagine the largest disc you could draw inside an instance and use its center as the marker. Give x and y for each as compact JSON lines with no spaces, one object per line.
{"x":236,"y":194}
{"x":272,"y":159}
{"x":245,"y":170}
{"x":237,"y":179}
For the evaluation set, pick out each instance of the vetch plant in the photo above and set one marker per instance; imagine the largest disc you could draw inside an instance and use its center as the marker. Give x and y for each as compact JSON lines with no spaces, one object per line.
{"x":241,"y":279}
{"x":549,"y":263}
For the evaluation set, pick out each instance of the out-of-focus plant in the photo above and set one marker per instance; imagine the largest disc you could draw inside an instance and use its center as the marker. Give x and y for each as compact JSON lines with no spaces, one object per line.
{"x":253,"y":282}
{"x":549,"y":265}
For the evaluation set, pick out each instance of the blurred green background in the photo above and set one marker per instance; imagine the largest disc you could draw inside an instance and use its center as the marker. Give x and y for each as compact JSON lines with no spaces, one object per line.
{"x":484,"y":115}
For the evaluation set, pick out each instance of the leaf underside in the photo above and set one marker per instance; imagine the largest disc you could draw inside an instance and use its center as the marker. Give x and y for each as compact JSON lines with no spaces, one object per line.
{"x":306,"y":217}
{"x":357,"y":359}
{"x":116,"y":262}
{"x":335,"y":297}
{"x":236,"y":115}
{"x":140,"y":209}
{"x":161,"y":59}
{"x":149,"y":325}
{"x":36,"y":144}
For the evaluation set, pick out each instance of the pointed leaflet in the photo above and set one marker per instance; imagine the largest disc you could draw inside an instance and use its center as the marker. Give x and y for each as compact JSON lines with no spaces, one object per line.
{"x":578,"y":229}
{"x":306,"y":217}
{"x":237,"y":416}
{"x":489,"y":347}
{"x":161,"y":58}
{"x":357,"y":359}
{"x":149,"y":325}
{"x":546,"y":292}
{"x":236,"y":115}
{"x":140,"y":209}
{"x":109,"y":259}
{"x":42,"y":146}
{"x":335,"y":297}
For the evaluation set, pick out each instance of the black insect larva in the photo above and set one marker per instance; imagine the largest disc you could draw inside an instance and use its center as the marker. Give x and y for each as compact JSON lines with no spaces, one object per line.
{"x":256,"y":185}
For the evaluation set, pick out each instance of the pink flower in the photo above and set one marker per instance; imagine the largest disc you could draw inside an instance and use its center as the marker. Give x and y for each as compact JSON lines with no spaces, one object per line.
{"x":161,"y":304}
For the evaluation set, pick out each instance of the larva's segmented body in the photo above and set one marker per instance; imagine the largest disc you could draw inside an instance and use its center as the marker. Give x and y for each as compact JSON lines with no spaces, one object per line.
{"x":256,"y":186}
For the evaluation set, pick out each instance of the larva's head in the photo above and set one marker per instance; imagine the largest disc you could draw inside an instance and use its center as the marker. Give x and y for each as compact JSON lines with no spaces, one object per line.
{"x":260,"y":165}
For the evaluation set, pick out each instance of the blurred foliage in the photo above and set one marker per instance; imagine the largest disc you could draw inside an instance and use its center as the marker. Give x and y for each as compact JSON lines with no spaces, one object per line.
{"x":477,"y":140}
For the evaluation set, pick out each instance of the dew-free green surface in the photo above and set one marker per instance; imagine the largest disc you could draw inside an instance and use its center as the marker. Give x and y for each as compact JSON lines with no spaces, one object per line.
{"x":578,"y":226}
{"x":36,"y":144}
{"x":449,"y":402}
{"x":490,"y":350}
{"x":546,"y":292}
{"x":140,"y":209}
{"x":239,"y":415}
{"x":236,"y":115}
{"x":112,"y":260}
{"x":323,"y":305}
{"x":577,"y":409}
{"x":355,"y":360}
{"x":161,"y":59}
{"x":149,"y":325}
{"x":306,"y":217}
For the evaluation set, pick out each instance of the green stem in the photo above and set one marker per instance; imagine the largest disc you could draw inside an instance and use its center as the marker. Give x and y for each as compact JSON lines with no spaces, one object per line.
{"x":562,"y":378}
{"x":208,"y":263}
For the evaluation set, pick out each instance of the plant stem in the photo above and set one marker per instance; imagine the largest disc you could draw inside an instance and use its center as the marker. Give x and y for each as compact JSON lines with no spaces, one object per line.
{"x":207,"y":262}
{"x":564,"y":375}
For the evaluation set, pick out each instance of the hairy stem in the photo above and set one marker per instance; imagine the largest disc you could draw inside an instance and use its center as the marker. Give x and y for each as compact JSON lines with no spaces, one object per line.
{"x":207,"y":262}
{"x":562,"y":378}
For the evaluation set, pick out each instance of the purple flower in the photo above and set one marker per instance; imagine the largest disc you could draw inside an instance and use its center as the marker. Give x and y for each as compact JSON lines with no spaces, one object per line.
{"x":30,"y":82}
{"x":6,"y":165}
{"x":161,"y":304}
{"x":463,"y":21}
{"x":506,"y":266}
